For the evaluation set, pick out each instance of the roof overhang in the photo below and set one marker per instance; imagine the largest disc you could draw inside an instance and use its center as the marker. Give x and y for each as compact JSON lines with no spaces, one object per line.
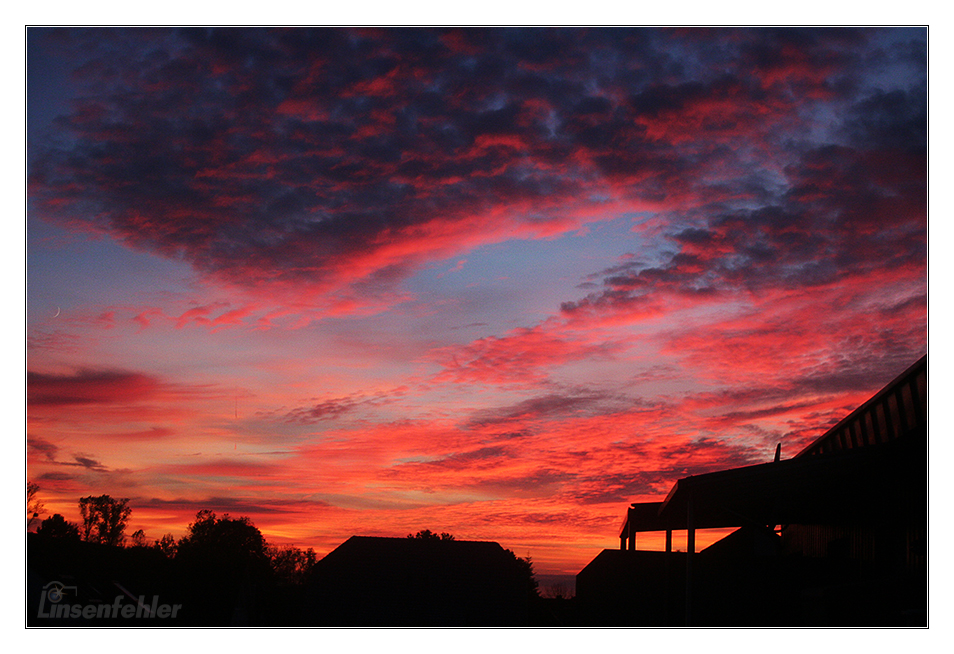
{"x":834,"y":488}
{"x":646,"y":515}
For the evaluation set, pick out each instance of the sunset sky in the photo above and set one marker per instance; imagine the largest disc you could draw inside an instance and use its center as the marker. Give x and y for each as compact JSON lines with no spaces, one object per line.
{"x":499,"y":283}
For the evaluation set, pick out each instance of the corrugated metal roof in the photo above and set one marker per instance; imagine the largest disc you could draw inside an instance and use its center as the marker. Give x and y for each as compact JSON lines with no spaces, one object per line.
{"x":829,"y":440}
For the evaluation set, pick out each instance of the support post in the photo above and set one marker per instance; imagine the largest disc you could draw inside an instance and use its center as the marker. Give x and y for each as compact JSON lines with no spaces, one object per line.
{"x":669,"y":540}
{"x":690,"y":551}
{"x":627,"y":530}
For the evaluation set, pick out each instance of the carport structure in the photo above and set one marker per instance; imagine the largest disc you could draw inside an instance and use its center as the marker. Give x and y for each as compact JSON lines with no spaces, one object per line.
{"x":868,"y":474}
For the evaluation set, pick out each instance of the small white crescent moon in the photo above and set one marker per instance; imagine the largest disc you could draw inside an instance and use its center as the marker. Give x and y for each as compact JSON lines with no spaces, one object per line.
{"x":57,"y":312}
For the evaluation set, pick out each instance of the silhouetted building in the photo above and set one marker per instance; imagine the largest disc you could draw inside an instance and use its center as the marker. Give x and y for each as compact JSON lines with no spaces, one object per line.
{"x":410,"y":582}
{"x":836,"y":535}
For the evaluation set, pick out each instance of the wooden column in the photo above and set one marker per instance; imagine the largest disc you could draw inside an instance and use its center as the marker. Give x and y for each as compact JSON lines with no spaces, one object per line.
{"x":669,"y":540}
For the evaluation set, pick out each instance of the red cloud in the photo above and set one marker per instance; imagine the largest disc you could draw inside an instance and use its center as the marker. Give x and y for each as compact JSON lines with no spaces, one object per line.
{"x":520,"y":357}
{"x":88,"y":387}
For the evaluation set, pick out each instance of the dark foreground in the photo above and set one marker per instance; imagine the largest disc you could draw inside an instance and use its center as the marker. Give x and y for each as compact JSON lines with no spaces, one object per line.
{"x":374,"y":582}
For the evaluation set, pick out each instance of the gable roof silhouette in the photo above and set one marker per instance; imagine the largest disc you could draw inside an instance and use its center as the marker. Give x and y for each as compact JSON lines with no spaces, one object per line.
{"x":384,"y":549}
{"x":376,"y":581}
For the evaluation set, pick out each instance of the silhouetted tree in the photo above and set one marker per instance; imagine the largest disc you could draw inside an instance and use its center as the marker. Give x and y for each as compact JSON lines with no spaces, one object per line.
{"x":233,"y":538}
{"x":166,"y":545}
{"x":225,"y":544}
{"x":56,"y":526}
{"x":427,"y":534}
{"x":525,"y":565}
{"x":291,"y":564}
{"x":104,"y":519}
{"x":34,"y":505}
{"x":139,"y":538}
{"x":225,"y":562}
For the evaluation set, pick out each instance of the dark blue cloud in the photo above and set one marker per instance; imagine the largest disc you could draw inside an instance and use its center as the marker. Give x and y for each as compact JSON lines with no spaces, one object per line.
{"x":271,"y":154}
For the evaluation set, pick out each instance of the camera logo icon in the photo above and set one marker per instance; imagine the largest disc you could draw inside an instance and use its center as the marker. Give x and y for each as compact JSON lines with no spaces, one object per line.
{"x":56,"y":591}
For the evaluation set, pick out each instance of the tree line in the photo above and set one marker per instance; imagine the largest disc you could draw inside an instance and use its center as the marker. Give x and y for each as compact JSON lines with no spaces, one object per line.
{"x":233,"y":542}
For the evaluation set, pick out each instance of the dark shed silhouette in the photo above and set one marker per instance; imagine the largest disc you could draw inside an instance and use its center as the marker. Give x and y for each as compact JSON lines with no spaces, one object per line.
{"x":408,"y":582}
